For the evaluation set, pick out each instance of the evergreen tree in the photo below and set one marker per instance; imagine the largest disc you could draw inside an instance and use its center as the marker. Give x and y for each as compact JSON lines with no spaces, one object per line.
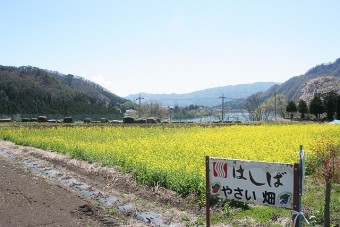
{"x":291,"y":108}
{"x":337,"y":109}
{"x":316,"y":107}
{"x":330,"y":104}
{"x":302,"y":108}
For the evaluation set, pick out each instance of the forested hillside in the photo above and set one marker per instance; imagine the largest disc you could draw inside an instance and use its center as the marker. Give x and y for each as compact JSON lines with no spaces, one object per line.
{"x":30,"y":90}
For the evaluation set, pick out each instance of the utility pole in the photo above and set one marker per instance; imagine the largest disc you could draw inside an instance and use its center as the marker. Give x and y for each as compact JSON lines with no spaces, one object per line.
{"x":275,"y":106}
{"x":170,"y":108}
{"x":180,"y":115}
{"x":222,"y":97}
{"x":139,"y":104}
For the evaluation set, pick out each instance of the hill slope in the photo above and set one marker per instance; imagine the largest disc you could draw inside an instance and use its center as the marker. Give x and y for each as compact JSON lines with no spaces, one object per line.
{"x":207,"y":97}
{"x":32,"y":90}
{"x":319,"y":79}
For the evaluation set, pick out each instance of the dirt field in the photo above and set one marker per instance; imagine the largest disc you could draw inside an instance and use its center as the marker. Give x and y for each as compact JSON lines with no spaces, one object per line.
{"x":28,"y":200}
{"x":41,"y":188}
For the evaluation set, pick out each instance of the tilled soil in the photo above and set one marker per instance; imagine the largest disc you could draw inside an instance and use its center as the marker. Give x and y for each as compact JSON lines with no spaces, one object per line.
{"x":42,"y":188}
{"x":28,"y":200}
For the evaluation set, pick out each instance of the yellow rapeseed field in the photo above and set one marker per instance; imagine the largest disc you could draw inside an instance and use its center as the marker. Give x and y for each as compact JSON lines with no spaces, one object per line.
{"x":175,"y":156}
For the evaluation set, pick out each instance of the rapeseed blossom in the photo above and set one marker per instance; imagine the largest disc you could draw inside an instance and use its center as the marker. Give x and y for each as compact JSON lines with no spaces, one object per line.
{"x":174,"y":157}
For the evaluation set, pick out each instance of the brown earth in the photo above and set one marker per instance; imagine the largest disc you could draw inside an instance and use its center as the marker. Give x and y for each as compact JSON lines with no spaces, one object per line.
{"x":28,"y":198}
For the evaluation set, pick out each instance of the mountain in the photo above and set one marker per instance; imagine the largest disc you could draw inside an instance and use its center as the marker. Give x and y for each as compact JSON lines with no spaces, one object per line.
{"x":317,"y":80}
{"x":208,"y":97}
{"x":30,"y":90}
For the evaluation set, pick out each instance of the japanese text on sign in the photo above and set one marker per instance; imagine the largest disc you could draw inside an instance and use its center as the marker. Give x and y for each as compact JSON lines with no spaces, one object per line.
{"x":258,"y":182}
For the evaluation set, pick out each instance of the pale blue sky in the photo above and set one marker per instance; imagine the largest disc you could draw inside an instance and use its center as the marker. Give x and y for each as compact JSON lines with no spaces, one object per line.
{"x":132,"y":46}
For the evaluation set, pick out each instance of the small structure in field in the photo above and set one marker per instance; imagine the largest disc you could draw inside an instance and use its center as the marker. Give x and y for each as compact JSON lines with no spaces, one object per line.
{"x":42,"y":119}
{"x":128,"y":120}
{"x":152,"y":120}
{"x":52,"y":121}
{"x":68,"y":120}
{"x":116,"y":122}
{"x":104,"y":120}
{"x":87,"y":120}
{"x":140,"y":121}
{"x":6,"y":120}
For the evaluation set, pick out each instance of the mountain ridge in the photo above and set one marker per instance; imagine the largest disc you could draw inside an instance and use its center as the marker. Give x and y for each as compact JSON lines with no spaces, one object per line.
{"x":294,"y":87}
{"x":206,"y":97}
{"x":319,"y":79}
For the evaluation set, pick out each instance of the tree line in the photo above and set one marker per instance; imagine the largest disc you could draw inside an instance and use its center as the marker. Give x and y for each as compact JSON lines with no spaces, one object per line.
{"x":328,"y":104}
{"x":323,"y":106}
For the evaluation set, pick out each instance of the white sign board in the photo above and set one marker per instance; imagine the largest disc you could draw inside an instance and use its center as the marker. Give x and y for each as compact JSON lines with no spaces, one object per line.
{"x":248,"y":181}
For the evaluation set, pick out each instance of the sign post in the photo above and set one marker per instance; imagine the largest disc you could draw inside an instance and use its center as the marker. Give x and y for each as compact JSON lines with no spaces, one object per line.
{"x":298,"y":183}
{"x":207,"y":192}
{"x":296,"y":193}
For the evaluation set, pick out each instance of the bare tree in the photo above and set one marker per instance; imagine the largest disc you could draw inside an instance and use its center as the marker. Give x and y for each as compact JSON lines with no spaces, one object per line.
{"x":252,"y":105}
{"x":153,"y":109}
{"x":258,"y":110}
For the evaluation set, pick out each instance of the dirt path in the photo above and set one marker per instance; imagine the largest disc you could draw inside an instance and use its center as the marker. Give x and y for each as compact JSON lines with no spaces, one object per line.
{"x":41,"y":188}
